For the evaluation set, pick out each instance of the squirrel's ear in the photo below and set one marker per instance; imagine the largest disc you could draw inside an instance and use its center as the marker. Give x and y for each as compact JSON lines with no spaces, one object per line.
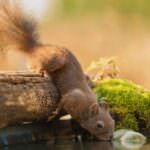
{"x":94,"y":109}
{"x":104,"y":105}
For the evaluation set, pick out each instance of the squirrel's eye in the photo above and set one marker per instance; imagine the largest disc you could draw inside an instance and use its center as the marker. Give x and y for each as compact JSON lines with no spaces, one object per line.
{"x":100,"y":124}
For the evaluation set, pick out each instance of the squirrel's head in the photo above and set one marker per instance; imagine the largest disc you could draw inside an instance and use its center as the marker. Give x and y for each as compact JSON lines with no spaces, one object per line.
{"x":100,"y":122}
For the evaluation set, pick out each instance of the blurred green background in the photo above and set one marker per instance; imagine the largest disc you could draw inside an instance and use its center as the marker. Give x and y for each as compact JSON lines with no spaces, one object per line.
{"x":97,"y":7}
{"x":97,"y":28}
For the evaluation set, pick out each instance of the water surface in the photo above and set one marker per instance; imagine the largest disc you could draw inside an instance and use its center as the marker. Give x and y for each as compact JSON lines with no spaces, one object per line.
{"x":71,"y":146}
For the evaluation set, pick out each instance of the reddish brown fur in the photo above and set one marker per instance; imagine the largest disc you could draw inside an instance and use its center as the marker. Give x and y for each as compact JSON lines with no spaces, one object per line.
{"x":77,"y":97}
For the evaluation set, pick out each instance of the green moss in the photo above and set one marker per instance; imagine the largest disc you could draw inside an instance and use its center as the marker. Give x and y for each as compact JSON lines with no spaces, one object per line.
{"x":129,"y":103}
{"x":128,"y":122}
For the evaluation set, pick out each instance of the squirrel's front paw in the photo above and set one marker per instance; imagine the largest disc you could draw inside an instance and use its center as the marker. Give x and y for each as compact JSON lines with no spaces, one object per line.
{"x":56,"y":112}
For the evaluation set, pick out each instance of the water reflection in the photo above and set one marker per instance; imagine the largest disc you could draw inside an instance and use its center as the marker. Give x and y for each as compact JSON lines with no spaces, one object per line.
{"x":64,"y":146}
{"x":71,"y":146}
{"x":98,"y":146}
{"x":67,"y":145}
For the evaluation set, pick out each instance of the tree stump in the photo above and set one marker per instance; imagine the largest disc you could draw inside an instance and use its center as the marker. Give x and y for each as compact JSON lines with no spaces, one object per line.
{"x":26,"y":98}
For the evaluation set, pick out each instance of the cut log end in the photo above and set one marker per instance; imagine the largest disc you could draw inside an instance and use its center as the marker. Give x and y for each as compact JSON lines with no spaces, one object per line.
{"x":26,"y":97}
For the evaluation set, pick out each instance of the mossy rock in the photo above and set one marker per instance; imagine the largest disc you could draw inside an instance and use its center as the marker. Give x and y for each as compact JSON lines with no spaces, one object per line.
{"x":129,"y":103}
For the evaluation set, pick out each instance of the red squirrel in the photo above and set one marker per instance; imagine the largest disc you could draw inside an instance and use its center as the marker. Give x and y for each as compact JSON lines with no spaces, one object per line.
{"x":18,"y":31}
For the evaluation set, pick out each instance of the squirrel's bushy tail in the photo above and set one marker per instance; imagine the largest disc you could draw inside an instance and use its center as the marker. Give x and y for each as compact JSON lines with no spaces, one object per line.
{"x":17,"y":30}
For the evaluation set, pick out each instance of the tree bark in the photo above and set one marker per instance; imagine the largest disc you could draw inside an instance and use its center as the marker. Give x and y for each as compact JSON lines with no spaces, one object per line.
{"x":26,"y":98}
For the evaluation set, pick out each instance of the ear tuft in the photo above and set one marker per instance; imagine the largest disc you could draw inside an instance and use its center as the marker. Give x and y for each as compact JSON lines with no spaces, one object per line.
{"x":94,"y":109}
{"x":104,"y":105}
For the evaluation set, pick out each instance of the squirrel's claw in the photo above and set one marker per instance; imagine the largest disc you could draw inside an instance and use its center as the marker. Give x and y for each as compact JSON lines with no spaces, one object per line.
{"x":55,"y":112}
